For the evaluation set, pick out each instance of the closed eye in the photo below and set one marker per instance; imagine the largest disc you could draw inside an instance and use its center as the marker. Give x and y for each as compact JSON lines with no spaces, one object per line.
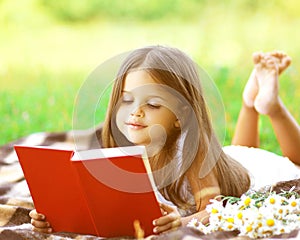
{"x":154,"y":105}
{"x":127,"y":98}
{"x":127,"y":101}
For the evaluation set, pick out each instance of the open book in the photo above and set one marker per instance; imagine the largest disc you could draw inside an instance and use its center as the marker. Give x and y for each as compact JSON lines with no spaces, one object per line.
{"x":100,"y":192}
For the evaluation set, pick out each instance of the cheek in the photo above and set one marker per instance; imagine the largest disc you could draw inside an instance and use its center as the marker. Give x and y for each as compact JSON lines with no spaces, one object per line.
{"x":121,"y":117}
{"x":165,"y":119}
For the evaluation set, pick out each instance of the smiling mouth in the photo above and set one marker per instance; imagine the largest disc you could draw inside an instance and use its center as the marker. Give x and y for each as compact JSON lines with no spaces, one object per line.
{"x":135,"y":126}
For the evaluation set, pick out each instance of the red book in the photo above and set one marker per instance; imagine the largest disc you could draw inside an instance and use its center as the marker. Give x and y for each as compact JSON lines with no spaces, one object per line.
{"x":99,"y":192}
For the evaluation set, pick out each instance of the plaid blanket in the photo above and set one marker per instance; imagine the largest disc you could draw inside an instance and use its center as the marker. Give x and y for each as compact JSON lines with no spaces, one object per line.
{"x":16,"y":202}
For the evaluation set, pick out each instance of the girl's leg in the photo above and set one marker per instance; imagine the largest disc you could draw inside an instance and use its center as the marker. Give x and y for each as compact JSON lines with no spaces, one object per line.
{"x":268,"y":102}
{"x":246,"y":130}
{"x":255,"y":94}
{"x":287,"y":131}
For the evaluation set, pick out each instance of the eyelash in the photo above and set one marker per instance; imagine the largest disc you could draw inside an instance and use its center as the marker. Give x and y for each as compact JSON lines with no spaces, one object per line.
{"x":152,"y":106}
{"x":127,"y":101}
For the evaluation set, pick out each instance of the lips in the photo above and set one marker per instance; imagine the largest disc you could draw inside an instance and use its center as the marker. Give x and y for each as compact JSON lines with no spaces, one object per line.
{"x":135,"y":125}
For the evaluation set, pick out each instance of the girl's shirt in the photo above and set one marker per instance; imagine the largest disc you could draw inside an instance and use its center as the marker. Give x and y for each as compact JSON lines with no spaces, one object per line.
{"x":265,"y":168}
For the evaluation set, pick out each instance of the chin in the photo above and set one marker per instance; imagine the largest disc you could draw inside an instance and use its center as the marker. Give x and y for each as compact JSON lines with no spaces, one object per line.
{"x":137,"y":141}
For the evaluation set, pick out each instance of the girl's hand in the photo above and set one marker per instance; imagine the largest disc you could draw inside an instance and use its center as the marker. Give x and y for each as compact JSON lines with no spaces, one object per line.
{"x":39,"y":222}
{"x":171,"y":219}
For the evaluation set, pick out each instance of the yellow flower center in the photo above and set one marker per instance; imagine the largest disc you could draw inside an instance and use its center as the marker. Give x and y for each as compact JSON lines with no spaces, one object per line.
{"x":214,"y":210}
{"x":247,"y":201}
{"x":249,"y":228}
{"x":293,"y":204}
{"x":270,"y":222}
{"x":259,"y":224}
{"x":231,"y":220}
{"x":272,"y":200}
{"x":240,"y":215}
{"x":260,"y":216}
{"x":230,"y":226}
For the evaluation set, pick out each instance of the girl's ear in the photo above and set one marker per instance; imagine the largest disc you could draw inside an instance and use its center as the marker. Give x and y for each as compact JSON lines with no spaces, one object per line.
{"x":177,"y":123}
{"x":181,"y":122}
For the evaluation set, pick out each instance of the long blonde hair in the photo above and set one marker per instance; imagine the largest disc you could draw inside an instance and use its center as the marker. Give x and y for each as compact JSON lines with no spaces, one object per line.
{"x":200,"y":149}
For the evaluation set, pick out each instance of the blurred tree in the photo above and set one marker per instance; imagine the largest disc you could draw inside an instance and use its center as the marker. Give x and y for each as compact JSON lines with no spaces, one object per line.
{"x":72,"y":10}
{"x":144,"y":10}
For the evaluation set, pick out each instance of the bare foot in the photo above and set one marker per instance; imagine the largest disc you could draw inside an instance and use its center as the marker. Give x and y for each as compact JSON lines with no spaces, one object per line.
{"x":251,"y":88}
{"x":267,"y":71}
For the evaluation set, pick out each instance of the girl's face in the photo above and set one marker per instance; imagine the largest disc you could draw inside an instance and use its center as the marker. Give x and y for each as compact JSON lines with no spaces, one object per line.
{"x":145,"y":115}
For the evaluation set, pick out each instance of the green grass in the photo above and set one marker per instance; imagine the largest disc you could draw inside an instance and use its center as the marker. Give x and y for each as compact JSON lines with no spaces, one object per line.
{"x":45,"y":59}
{"x":32,"y":106}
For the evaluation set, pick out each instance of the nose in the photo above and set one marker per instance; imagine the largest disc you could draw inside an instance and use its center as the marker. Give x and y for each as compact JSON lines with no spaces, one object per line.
{"x":138,"y":112}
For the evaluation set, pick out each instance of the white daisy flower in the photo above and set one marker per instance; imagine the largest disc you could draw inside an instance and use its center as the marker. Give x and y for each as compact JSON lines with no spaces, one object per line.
{"x":256,"y":215}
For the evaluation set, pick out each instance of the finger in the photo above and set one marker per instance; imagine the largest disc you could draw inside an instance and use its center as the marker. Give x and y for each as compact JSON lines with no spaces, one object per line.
{"x":37,"y":216}
{"x":166,"y":207}
{"x":42,"y":230}
{"x":166,"y":219}
{"x":40,"y":224}
{"x":167,"y":227}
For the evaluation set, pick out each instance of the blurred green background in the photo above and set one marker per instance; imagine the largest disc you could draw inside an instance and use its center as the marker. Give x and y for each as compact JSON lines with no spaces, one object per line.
{"x":48,"y":48}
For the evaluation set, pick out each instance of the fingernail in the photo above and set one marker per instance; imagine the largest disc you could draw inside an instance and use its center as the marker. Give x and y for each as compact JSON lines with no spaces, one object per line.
{"x":154,"y":222}
{"x":155,"y":230}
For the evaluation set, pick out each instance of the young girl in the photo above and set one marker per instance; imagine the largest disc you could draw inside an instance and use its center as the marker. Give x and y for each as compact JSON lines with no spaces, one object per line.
{"x":157,"y":101}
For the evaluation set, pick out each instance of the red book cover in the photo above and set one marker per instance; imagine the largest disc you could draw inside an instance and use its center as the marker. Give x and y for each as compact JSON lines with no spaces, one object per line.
{"x":54,"y":188}
{"x":99,"y":192}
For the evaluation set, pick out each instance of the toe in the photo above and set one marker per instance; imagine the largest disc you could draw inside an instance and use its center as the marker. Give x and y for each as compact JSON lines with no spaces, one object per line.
{"x":257,"y":56}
